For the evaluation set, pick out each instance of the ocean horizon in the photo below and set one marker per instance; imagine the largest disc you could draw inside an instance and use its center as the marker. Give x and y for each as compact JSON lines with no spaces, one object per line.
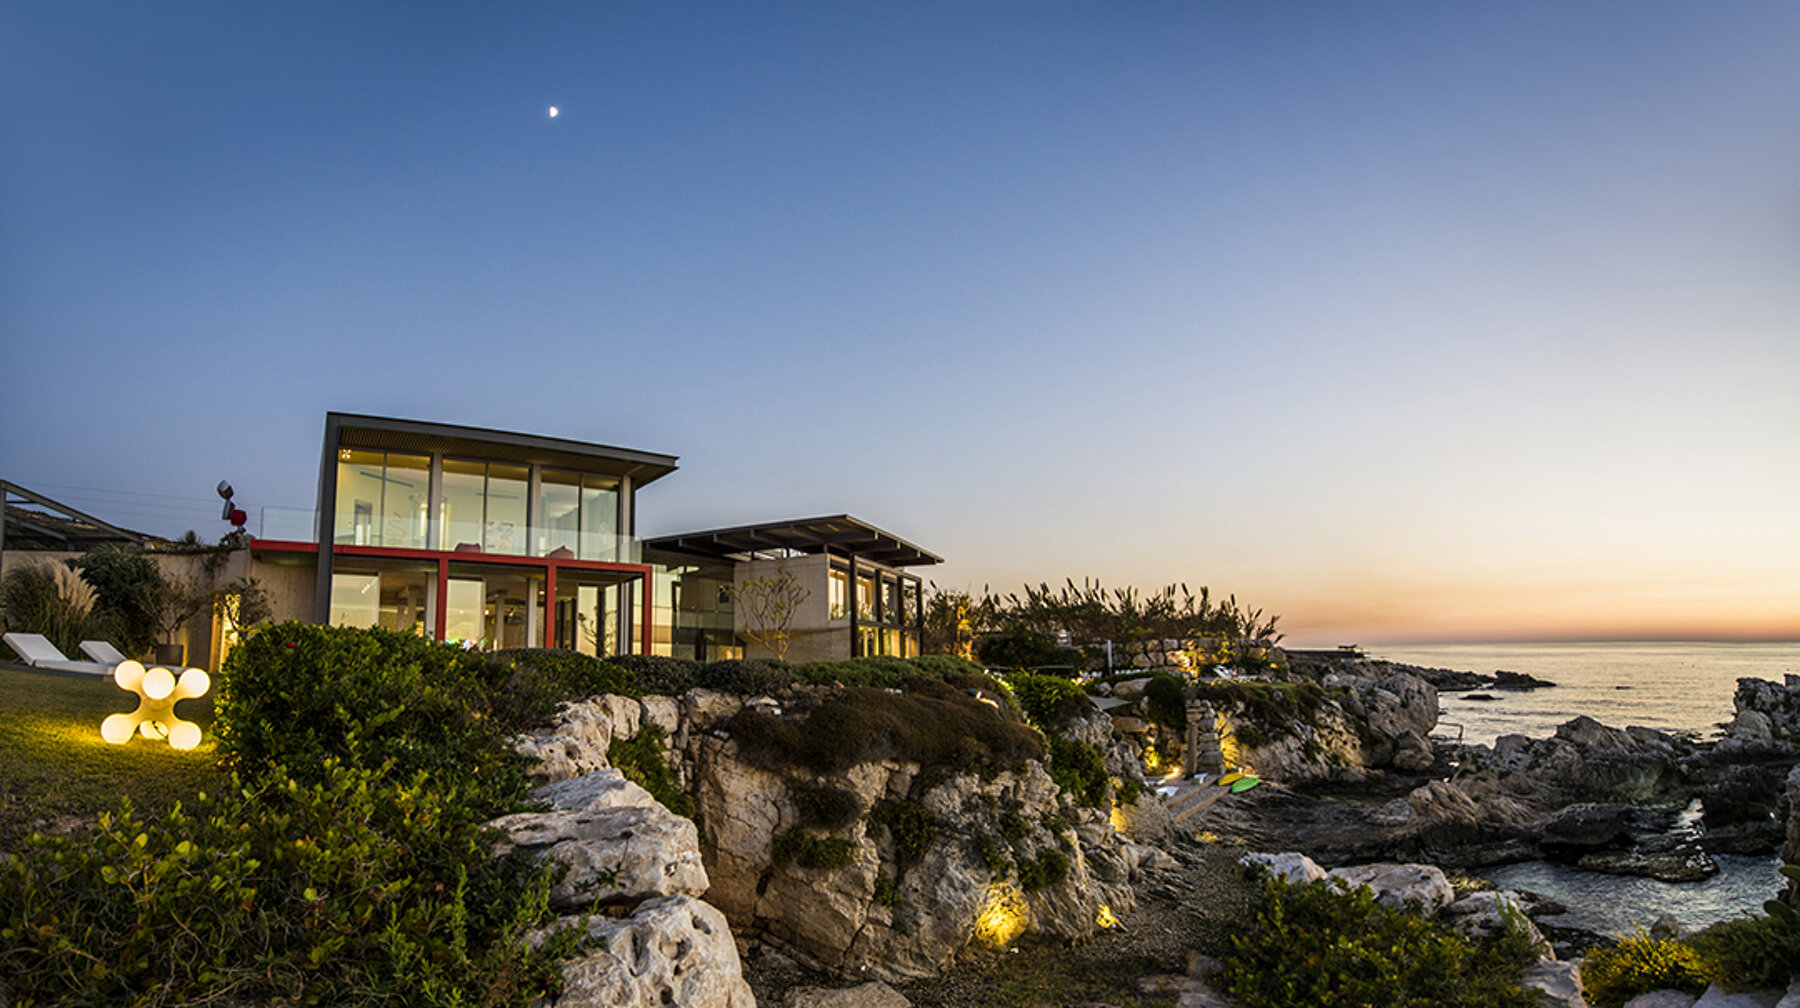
{"x":1673,"y":686}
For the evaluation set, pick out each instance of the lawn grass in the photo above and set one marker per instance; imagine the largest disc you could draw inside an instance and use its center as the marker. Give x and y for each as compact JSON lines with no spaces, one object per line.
{"x":56,"y":771}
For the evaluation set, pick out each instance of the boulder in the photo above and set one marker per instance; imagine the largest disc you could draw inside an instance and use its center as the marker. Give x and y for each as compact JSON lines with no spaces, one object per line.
{"x":575,"y":742}
{"x":873,"y":994}
{"x":674,"y":950}
{"x":1790,"y":850}
{"x":1662,"y":999}
{"x":615,"y":853}
{"x":1481,"y":914}
{"x":1295,"y":868}
{"x":1397,"y":885}
{"x":1558,"y":984}
{"x":1589,"y":824}
{"x":1719,"y":997}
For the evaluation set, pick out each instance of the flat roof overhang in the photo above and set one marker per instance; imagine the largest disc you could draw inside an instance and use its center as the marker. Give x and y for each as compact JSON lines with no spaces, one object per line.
{"x":839,"y":534}
{"x":355,"y":430}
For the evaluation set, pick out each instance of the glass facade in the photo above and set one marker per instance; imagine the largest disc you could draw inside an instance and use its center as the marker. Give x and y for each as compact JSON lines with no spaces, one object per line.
{"x":391,"y":596}
{"x":383,"y":499}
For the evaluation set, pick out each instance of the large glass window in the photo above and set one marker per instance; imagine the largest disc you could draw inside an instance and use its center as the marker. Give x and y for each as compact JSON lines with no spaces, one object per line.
{"x":381,"y":499}
{"x":355,"y":599}
{"x":838,"y":588}
{"x":865,"y":599}
{"x":507,"y":489}
{"x":599,"y":519}
{"x":464,"y":505}
{"x":560,"y":531}
{"x":465,"y":610}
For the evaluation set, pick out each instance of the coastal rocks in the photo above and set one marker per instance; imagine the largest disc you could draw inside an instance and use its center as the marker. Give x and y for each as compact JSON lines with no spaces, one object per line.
{"x":1585,"y":761}
{"x":1518,"y":681}
{"x":620,"y":846}
{"x":1779,"y":703}
{"x":1558,"y":984}
{"x":1397,"y":886}
{"x":909,"y":875}
{"x":577,"y":739}
{"x":1662,"y":999}
{"x":1484,"y":914}
{"x":1295,"y":868}
{"x":1589,"y":824}
{"x":674,"y":950}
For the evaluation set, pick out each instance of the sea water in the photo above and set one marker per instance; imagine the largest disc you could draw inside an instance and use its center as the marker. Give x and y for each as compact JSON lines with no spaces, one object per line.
{"x":1672,"y":687}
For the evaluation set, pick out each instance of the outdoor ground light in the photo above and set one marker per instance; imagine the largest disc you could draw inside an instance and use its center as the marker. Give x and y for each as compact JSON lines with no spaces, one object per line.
{"x":157,"y":689}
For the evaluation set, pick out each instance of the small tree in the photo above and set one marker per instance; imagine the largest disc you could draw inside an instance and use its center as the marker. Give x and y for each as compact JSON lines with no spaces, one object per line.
{"x":176,"y":602}
{"x":768,"y":603}
{"x":126,"y":583}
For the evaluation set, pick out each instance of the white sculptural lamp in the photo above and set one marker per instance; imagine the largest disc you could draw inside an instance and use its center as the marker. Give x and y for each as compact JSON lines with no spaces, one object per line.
{"x":157,"y":690}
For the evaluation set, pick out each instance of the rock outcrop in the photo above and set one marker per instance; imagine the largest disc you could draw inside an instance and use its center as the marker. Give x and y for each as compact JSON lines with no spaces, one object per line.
{"x":673,"y":950}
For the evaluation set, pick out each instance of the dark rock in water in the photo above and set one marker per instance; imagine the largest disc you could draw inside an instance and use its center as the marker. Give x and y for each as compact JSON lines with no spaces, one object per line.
{"x":1590,"y":824}
{"x":1667,"y":859}
{"x":1480,"y":696}
{"x":1518,"y":681}
{"x":1742,"y":794}
{"x":1621,"y":687}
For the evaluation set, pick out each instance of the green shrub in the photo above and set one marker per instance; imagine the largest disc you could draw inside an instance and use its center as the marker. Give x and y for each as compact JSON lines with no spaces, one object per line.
{"x":1020,"y":647}
{"x":359,"y":888}
{"x":1079,"y":770}
{"x":1165,"y":701}
{"x":745,"y":678}
{"x":798,"y":847}
{"x":295,"y":696}
{"x":541,"y":680}
{"x":943,"y":666}
{"x":126,"y":582}
{"x":1048,"y":701}
{"x":995,"y":855}
{"x":1751,"y":951}
{"x":932,"y":724}
{"x":1050,"y":867}
{"x":911,"y":826}
{"x":1278,"y":709}
{"x":887,"y":891}
{"x":1639,"y":964}
{"x":1315,"y":946}
{"x":823,"y":806}
{"x":658,"y":675}
{"x":880,"y":671}
{"x":642,"y":761}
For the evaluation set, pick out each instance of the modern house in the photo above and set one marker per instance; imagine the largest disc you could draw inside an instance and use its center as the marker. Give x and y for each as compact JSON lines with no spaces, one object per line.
{"x":858,"y":597}
{"x":498,"y":540}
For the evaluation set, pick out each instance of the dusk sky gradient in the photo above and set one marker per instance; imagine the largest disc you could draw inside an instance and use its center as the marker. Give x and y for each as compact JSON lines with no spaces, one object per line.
{"x":1406,"y":321}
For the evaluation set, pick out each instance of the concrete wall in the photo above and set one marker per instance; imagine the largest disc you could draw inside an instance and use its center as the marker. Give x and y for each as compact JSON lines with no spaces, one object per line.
{"x":812,"y":636}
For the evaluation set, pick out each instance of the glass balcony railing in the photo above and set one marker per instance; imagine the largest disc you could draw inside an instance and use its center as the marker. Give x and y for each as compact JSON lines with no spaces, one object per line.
{"x":301,"y":525}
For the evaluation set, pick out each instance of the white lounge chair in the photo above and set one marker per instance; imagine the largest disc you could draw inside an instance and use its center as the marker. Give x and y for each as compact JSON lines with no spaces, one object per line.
{"x":38,"y":652}
{"x":102,"y":652}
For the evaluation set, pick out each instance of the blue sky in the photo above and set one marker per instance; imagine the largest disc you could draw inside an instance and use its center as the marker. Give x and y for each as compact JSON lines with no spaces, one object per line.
{"x":1405,"y":321}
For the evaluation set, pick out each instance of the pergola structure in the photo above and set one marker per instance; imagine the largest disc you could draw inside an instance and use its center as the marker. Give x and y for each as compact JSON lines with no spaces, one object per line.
{"x":36,"y":522}
{"x":841,"y":535}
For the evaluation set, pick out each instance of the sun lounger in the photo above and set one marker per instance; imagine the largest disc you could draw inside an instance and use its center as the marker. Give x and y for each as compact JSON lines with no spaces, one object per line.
{"x":102,"y":652}
{"x":38,"y":652}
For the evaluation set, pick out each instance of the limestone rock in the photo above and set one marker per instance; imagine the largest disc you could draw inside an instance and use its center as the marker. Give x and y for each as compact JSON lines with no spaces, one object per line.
{"x":1558,"y":984}
{"x":1481,"y":914}
{"x":1396,"y":885}
{"x":661,"y":711}
{"x":575,"y":743}
{"x":1662,"y":999}
{"x":1295,"y":868}
{"x":1790,"y":851}
{"x":674,"y":950}
{"x":873,"y":994}
{"x":1718,"y":997}
{"x":1590,"y":824}
{"x":615,"y":853}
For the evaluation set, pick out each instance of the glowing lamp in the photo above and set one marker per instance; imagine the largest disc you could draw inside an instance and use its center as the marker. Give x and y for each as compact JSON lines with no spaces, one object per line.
{"x":1003,"y":915}
{"x":157,"y":689}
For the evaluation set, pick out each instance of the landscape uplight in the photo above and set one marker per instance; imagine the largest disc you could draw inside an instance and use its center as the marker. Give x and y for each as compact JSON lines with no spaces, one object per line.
{"x":157,"y":689}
